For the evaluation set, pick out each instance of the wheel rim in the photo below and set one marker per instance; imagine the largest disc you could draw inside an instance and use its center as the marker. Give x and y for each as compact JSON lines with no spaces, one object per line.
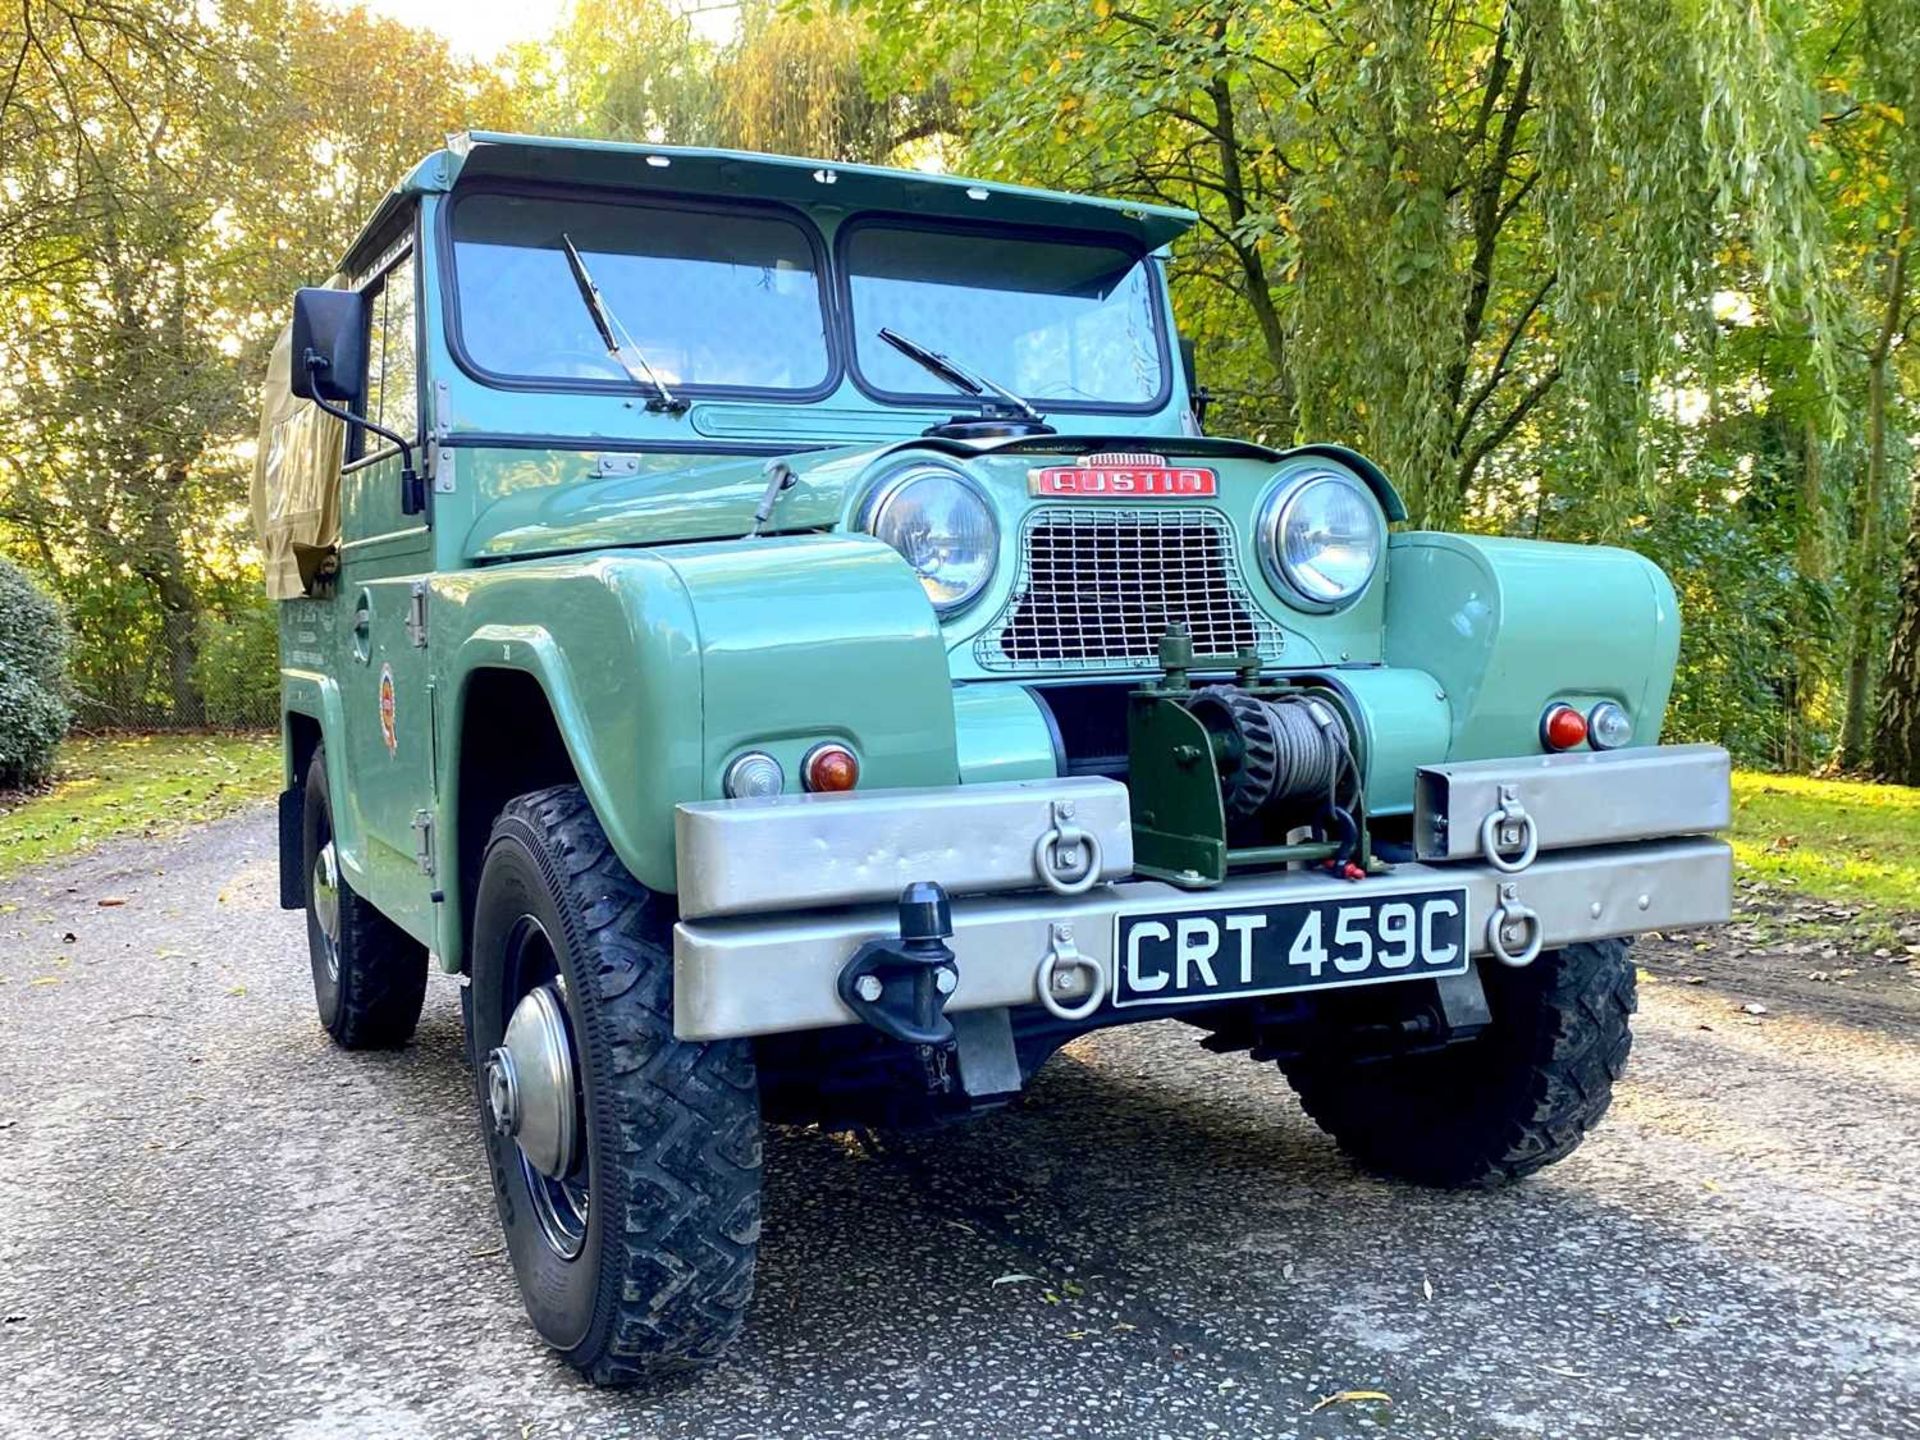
{"x":559,"y":1201}
{"x":324,"y":886}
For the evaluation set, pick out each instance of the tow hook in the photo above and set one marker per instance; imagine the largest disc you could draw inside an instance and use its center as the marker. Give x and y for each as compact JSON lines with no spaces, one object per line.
{"x":900,"y":987}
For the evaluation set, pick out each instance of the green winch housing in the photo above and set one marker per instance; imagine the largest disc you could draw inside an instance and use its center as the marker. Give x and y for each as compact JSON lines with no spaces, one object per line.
{"x":1210,"y":796}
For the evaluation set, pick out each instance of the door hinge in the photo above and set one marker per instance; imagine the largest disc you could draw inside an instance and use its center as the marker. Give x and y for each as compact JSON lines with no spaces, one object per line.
{"x":423,"y":841}
{"x":417,"y":615}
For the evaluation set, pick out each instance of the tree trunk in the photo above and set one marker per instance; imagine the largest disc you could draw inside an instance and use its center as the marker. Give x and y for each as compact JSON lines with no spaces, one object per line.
{"x":180,"y":634}
{"x":1810,"y":559}
{"x":1253,"y":268}
{"x":1854,"y":736}
{"x":1896,"y":743}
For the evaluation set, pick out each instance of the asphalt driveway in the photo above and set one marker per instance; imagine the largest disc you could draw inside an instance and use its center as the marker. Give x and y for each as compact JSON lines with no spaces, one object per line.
{"x":212,"y":1223}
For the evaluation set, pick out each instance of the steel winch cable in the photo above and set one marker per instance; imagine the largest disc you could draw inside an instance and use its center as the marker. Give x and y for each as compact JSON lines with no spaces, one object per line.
{"x":1307,"y":759}
{"x":1290,"y":749}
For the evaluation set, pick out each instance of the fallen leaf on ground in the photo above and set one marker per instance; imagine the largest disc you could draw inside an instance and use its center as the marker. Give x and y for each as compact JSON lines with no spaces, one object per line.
{"x":109,"y":903}
{"x":1349,"y":1397}
{"x":1014,"y":1279}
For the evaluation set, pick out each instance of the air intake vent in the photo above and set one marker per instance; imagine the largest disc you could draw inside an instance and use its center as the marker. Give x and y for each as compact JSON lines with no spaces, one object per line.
{"x":1097,"y":589}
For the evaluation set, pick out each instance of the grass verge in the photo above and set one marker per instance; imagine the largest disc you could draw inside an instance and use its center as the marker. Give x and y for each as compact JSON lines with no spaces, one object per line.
{"x":1837,"y":839}
{"x":133,"y":785}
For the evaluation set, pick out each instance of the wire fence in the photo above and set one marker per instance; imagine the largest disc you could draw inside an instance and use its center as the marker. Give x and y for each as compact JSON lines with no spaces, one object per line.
{"x":178,"y":672}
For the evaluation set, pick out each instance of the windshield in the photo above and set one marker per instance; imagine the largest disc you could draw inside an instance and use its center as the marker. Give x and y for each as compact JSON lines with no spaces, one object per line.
{"x":1059,"y":322}
{"x":729,"y":301}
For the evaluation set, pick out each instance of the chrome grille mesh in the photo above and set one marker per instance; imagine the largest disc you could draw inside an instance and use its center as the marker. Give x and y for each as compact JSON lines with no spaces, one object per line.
{"x":1098,"y":587}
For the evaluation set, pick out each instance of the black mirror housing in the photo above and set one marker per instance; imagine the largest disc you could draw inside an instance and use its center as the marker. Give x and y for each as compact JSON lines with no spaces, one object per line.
{"x":1201,"y":398}
{"x":329,"y":326}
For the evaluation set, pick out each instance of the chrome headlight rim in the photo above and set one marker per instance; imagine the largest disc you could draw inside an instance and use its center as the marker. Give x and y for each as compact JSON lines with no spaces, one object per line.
{"x":890,"y":486}
{"x":1281,"y":497}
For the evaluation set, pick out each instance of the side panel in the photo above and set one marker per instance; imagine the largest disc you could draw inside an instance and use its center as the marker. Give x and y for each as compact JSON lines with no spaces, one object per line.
{"x":1507,"y":626}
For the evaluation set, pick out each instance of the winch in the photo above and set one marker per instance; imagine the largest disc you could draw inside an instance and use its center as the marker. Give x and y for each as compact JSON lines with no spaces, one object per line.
{"x":1242,"y":775}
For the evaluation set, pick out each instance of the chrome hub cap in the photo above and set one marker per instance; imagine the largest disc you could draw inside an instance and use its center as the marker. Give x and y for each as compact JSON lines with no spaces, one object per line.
{"x":324,"y":886}
{"x":530,"y":1087}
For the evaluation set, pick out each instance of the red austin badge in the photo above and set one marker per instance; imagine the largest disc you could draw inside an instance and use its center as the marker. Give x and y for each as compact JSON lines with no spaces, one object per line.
{"x":387,"y":709}
{"x":1123,"y":477}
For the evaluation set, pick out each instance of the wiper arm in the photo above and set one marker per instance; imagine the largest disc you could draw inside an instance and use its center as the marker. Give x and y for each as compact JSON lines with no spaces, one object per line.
{"x":620,"y":346}
{"x":957,"y":376}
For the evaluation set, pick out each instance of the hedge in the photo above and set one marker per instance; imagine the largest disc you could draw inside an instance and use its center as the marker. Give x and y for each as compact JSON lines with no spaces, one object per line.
{"x":33,"y":680}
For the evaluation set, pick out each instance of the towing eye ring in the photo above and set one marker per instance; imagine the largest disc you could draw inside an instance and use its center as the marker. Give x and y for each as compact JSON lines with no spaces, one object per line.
{"x":1510,"y":911}
{"x":1061,"y":960}
{"x":1511,"y":812}
{"x":1063,"y":834}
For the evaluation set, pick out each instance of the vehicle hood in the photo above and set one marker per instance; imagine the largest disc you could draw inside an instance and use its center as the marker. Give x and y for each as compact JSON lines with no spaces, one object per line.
{"x":544,"y":502}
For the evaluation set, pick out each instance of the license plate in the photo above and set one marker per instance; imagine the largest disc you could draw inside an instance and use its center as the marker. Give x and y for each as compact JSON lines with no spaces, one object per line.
{"x":1209,"y":955}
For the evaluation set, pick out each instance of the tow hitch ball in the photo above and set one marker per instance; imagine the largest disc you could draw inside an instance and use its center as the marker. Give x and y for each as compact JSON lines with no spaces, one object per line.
{"x":900,"y":987}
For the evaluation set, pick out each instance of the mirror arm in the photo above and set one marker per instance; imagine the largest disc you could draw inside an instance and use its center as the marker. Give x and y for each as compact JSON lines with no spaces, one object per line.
{"x":413,"y":495}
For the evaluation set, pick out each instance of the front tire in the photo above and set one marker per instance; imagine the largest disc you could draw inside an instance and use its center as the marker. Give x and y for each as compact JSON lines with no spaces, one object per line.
{"x":634,"y":1235}
{"x":369,"y":975}
{"x":1493,"y":1109}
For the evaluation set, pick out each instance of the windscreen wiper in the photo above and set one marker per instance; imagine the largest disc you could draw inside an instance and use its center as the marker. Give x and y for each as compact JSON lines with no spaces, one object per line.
{"x":620,"y":346}
{"x":958,"y":377}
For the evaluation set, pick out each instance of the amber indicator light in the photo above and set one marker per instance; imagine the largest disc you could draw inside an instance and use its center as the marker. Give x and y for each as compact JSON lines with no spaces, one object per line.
{"x":832,"y":768}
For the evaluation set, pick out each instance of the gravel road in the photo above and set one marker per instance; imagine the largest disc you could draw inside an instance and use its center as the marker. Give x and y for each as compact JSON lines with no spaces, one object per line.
{"x":213,"y":1224}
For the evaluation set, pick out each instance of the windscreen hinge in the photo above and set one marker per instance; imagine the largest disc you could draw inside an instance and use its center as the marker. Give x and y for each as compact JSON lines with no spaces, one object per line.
{"x":439,"y":453}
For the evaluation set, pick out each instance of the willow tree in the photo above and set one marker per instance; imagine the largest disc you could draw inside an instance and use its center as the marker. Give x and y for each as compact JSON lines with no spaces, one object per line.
{"x":1421,"y":225}
{"x":791,"y":81}
{"x":1888,"y":89}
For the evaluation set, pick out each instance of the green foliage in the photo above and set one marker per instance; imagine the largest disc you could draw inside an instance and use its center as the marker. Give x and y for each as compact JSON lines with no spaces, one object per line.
{"x":33,"y":676}
{"x":238,"y":665}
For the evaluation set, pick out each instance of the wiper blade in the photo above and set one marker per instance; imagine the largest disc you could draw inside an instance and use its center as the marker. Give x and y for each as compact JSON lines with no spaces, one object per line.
{"x":957,"y":376}
{"x":620,"y":345}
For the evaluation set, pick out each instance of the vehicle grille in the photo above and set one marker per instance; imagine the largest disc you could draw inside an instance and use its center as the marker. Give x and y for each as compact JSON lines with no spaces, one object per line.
{"x":1097,"y":588}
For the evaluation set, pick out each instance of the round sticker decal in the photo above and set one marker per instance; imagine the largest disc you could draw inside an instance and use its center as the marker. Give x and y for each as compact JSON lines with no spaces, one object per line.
{"x":387,"y":710}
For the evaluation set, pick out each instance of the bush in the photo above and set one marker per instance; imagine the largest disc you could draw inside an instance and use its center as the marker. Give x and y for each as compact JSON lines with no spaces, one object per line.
{"x":33,"y":680}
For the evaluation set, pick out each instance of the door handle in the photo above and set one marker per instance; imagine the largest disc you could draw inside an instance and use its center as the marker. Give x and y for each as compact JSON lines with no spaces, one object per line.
{"x":363,"y":627}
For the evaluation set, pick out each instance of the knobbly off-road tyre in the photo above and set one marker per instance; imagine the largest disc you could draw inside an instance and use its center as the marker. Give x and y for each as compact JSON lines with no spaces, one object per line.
{"x":369,"y":975}
{"x":1499,"y":1107}
{"x":671,"y":1130}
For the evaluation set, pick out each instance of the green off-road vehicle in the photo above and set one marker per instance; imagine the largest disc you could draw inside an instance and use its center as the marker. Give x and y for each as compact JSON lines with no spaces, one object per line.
{"x":778,"y":631}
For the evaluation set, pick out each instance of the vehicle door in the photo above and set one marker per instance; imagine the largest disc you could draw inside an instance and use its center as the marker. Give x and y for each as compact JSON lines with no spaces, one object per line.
{"x":385,"y":558}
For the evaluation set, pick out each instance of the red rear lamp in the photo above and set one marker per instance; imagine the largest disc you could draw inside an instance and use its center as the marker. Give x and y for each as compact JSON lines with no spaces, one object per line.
{"x":830,"y":768}
{"x":1563,"y":727}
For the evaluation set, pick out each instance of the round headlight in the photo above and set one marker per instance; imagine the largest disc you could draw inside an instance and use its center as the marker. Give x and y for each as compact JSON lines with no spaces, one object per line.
{"x":1321,"y":536}
{"x":943,"y":527}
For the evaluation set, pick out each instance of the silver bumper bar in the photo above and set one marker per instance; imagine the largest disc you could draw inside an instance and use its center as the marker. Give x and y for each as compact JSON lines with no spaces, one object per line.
{"x":798,"y":852}
{"x":1461,"y":810}
{"x":766,"y":974}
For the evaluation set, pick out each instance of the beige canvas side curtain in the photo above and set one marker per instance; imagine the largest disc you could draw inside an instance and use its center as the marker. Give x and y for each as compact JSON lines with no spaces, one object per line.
{"x":296,"y":482}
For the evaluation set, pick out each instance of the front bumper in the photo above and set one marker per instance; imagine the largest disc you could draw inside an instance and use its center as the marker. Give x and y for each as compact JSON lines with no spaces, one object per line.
{"x":779,"y":895}
{"x":760,"y":975}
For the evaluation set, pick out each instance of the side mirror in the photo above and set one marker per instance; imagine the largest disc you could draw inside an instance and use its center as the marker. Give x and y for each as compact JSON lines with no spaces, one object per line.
{"x":329,"y":344}
{"x":1199,"y":398}
{"x":329,"y":357}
